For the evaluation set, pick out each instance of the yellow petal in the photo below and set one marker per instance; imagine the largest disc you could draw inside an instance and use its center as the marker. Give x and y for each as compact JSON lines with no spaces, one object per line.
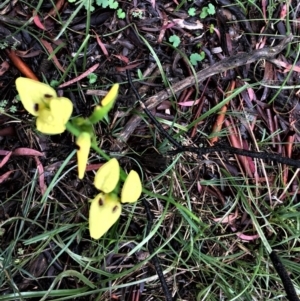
{"x":52,"y":120}
{"x":110,"y":96}
{"x":33,"y":94}
{"x":47,"y":124}
{"x":132,"y":188}
{"x":61,"y":108}
{"x":84,"y":144}
{"x":107,"y":103}
{"x":108,"y":175}
{"x":104,"y":212}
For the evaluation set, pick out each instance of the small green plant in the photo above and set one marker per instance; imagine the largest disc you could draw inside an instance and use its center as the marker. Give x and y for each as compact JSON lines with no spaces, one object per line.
{"x":207,"y":10}
{"x":137,"y":14}
{"x":54,"y":83}
{"x":197,"y":57}
{"x":120,"y":13}
{"x":3,"y":104}
{"x":88,"y":4}
{"x":192,"y":11}
{"x":175,"y":40}
{"x":3,"y":109}
{"x":3,"y":45}
{"x":92,"y":77}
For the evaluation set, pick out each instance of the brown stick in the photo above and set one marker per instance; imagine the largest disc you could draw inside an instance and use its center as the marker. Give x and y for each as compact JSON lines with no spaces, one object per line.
{"x":23,"y":68}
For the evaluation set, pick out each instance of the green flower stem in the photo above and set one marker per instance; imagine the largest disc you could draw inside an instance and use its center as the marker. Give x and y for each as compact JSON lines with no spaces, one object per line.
{"x":74,"y":131}
{"x":100,"y":151}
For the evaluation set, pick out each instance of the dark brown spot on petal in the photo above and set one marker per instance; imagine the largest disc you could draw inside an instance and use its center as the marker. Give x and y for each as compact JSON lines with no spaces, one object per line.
{"x":48,"y":96}
{"x":36,"y":107}
{"x":115,"y":209}
{"x":101,"y":202}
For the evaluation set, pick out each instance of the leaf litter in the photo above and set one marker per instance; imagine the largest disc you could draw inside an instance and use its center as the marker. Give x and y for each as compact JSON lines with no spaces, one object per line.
{"x":263,"y":116}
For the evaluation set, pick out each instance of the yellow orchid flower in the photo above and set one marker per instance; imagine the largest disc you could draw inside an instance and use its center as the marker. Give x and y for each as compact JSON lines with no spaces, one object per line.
{"x":132,"y":188}
{"x":108,"y":175}
{"x":106,"y":207}
{"x":41,"y":100}
{"x":52,"y":119}
{"x":84,"y":143}
{"x":104,"y":212}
